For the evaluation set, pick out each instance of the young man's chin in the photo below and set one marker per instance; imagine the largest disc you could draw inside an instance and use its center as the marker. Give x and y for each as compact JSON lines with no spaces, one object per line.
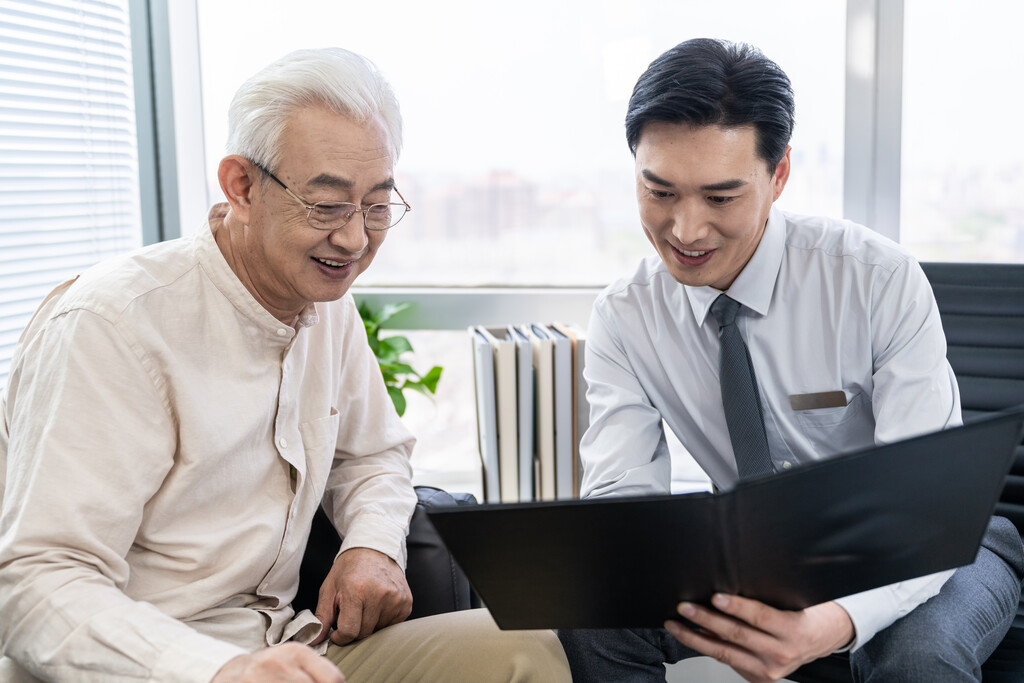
{"x":691,"y":277}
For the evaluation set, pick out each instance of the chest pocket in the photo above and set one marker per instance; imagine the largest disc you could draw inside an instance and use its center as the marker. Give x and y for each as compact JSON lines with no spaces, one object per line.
{"x":839,"y":430}
{"x":318,"y":442}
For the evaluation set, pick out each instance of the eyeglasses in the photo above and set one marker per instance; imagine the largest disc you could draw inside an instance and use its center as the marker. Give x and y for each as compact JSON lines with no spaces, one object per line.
{"x":334,"y":215}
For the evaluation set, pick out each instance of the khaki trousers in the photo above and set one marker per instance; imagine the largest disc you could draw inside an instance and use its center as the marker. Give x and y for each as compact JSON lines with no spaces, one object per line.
{"x":456,"y":647}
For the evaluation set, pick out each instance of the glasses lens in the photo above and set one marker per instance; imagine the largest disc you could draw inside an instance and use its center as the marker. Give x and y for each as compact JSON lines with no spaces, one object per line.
{"x":383,"y":216}
{"x":330,"y":215}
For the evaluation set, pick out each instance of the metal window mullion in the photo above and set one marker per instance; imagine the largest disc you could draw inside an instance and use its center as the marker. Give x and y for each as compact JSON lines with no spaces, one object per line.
{"x":150,"y":195}
{"x":874,"y":114}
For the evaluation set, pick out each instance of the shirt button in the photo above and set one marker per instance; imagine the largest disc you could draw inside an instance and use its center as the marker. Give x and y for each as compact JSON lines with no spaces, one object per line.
{"x":786,"y":465}
{"x":281,"y":332}
{"x":282,"y":442}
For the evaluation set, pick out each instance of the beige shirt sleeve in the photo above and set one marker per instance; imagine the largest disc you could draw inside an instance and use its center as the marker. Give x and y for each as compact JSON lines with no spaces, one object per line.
{"x":369,"y":493}
{"x":89,"y":445}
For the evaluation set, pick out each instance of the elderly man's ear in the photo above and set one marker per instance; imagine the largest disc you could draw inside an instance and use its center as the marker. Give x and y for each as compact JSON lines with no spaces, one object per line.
{"x":237,"y":176}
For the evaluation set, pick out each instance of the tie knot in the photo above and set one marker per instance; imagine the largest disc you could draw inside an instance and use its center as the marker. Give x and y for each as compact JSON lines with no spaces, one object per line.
{"x":725,"y":309}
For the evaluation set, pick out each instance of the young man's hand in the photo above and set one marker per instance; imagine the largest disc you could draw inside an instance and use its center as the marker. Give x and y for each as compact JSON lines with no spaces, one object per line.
{"x":759,"y":642}
{"x":365,"y":590}
{"x":288,"y":663}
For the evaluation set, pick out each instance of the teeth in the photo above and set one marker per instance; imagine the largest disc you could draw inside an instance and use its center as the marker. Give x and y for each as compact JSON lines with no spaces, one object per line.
{"x":692,"y":254}
{"x":329,"y":262}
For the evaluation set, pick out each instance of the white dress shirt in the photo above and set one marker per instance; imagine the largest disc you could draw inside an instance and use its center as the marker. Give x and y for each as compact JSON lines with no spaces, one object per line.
{"x":166,"y":442}
{"x":828,"y":306}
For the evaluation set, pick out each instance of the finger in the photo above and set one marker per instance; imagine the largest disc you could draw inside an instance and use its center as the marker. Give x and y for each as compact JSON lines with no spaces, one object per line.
{"x":753,"y":612}
{"x":349,"y":621}
{"x":319,"y":669}
{"x":707,"y":643}
{"x":326,"y":613}
{"x":726,"y":628}
{"x":395,"y":609}
{"x":370,"y":617}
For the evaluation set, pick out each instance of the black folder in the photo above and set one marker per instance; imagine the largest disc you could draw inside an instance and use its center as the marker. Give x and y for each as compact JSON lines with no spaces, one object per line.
{"x":794,"y":539}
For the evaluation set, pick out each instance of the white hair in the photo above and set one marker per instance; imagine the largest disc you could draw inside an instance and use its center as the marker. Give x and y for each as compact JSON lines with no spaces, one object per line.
{"x":341,"y":81}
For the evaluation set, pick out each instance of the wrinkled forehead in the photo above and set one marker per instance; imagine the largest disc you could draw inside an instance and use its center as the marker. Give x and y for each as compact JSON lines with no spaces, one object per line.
{"x":321,"y":148}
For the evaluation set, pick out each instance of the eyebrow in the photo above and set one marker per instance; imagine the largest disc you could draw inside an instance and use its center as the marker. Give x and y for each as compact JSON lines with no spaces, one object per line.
{"x":334,"y":182}
{"x":721,"y":186}
{"x":725,"y":185}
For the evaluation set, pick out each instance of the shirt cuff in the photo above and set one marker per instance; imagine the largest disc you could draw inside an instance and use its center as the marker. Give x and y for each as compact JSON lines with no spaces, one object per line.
{"x":377,"y":533}
{"x":194,"y":657}
{"x":876,"y":609}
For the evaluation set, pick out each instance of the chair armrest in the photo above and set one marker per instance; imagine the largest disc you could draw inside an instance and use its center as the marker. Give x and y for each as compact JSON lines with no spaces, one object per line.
{"x":436,"y":582}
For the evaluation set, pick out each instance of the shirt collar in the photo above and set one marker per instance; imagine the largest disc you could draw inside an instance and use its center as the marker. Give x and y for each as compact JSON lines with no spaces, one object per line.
{"x":308,"y":317}
{"x":755,"y":284}
{"x":220,"y":273}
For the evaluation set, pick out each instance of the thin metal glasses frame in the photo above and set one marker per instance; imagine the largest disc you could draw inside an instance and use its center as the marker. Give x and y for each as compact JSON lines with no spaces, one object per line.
{"x":311,"y":206}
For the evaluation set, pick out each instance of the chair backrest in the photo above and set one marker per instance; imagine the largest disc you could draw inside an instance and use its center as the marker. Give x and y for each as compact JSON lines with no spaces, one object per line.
{"x":982,"y":310}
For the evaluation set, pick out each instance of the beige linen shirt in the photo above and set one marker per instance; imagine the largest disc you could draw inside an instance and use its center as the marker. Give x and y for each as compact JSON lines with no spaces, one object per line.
{"x":165,"y":443}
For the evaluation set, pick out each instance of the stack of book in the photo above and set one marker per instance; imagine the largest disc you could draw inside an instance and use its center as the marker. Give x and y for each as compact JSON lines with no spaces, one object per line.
{"x":531,"y":409}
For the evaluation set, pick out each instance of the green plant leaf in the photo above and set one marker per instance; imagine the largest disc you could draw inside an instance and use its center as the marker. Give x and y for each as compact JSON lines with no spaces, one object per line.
{"x":396,"y":344}
{"x":398,"y":399}
{"x":432,"y":377}
{"x":420,"y":387}
{"x":398,"y":374}
{"x":399,"y":369}
{"x":374,"y":345}
{"x":369,"y":320}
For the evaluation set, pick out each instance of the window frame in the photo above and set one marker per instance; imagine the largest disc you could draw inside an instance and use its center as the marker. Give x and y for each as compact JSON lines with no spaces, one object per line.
{"x":169,"y":113}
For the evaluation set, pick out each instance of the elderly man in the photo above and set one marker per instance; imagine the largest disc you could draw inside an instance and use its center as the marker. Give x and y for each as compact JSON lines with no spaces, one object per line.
{"x":743,"y":309}
{"x":175,"y":416}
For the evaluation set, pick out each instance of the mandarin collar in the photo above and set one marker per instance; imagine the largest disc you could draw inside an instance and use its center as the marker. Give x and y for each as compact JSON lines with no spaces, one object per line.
{"x":217,"y":269}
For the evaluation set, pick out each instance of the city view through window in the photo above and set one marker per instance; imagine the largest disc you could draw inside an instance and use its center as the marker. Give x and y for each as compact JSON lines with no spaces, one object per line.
{"x":515,"y":160}
{"x":963,"y":144}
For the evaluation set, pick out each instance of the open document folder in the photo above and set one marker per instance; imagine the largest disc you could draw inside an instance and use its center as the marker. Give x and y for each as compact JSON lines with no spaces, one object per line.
{"x":792,"y":540}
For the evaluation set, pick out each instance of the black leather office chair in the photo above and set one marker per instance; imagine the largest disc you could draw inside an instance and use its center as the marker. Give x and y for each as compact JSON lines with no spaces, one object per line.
{"x":436,"y":582}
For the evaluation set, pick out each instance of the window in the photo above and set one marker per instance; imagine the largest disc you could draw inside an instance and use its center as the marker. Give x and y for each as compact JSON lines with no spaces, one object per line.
{"x":69,"y":192}
{"x":515,"y":159}
{"x":963,"y":143}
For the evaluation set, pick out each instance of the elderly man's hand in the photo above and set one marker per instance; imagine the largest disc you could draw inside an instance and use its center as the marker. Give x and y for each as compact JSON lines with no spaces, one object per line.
{"x":365,"y":590}
{"x":759,"y":642}
{"x":288,"y":663}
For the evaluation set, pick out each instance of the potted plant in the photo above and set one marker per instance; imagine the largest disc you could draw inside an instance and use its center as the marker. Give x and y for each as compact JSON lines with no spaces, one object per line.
{"x":398,"y":374}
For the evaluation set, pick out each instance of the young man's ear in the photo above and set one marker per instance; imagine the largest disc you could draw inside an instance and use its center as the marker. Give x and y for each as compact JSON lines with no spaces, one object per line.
{"x":237,"y":176}
{"x":781,"y":174}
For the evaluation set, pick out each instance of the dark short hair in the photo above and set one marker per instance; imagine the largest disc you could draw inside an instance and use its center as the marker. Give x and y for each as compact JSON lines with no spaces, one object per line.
{"x":705,"y":82}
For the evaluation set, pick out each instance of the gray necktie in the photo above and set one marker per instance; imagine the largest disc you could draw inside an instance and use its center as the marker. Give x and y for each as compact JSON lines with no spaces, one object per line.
{"x":739,"y":394}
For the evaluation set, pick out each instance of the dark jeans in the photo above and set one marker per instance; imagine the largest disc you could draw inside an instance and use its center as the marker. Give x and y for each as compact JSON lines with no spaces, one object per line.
{"x":947,"y":638}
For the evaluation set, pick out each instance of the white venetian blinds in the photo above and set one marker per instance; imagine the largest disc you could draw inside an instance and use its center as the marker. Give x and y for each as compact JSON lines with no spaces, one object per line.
{"x":69,"y":190}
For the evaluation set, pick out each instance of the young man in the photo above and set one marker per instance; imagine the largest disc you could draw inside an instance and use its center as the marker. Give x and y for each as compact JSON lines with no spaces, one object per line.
{"x":744,"y":307}
{"x":175,"y":416}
